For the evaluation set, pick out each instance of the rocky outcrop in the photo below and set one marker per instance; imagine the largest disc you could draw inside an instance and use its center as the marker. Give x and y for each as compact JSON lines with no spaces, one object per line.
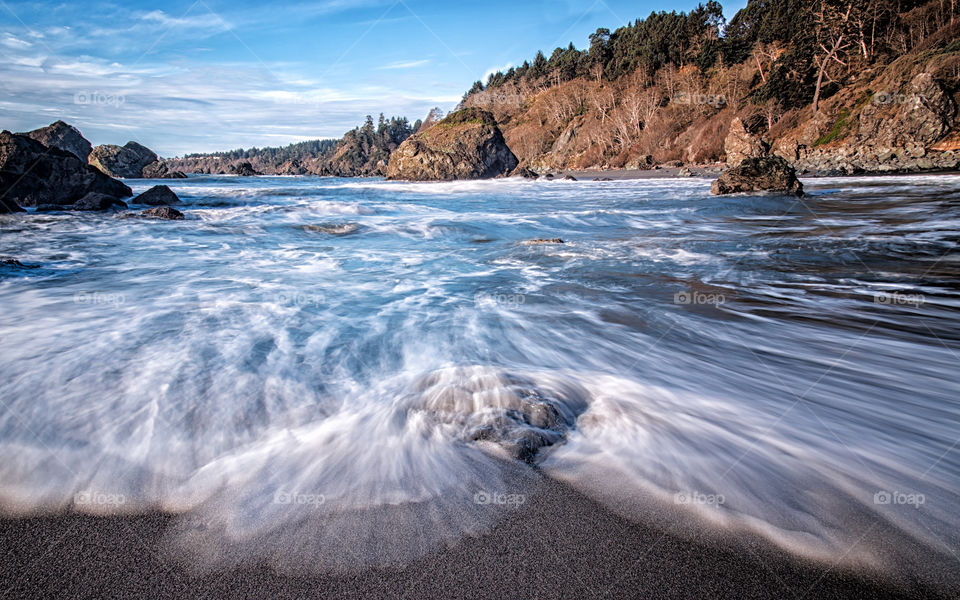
{"x":740,"y":144}
{"x":125,"y":161}
{"x":162,"y":212}
{"x":158,"y":195}
{"x":244,"y":169}
{"x":97,"y":201}
{"x":466,"y":144}
{"x":160,"y":170}
{"x":64,"y":136}
{"x":764,"y":174}
{"x":32,"y":174}
{"x":893,"y":132}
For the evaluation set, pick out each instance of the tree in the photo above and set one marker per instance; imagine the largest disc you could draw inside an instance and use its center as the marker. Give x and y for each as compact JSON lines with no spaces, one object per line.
{"x":833,"y":37}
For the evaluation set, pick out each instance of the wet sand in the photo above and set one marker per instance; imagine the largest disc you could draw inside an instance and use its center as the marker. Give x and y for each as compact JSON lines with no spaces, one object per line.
{"x":559,"y":544}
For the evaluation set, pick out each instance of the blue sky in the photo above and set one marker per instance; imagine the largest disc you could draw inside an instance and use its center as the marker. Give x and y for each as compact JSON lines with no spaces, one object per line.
{"x":205,"y":75}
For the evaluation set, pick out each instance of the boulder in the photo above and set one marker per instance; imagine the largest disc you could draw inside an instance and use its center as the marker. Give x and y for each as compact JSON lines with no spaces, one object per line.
{"x":524,"y":172}
{"x":163,"y":212}
{"x":160,"y":170}
{"x":32,"y":174}
{"x":125,"y":161}
{"x":64,"y":136}
{"x":740,"y":144}
{"x":97,"y":201}
{"x":764,"y":174}
{"x":244,"y":169}
{"x":466,"y":144}
{"x":158,"y":195}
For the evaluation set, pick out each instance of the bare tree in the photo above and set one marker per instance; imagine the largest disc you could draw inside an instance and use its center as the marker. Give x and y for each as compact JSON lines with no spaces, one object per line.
{"x":833,"y":38}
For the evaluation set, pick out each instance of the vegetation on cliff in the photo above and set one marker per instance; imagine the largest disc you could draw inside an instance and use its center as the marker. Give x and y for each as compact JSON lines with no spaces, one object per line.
{"x":667,"y":88}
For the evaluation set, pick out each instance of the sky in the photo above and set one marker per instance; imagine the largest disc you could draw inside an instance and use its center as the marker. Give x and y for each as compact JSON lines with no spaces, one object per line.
{"x":208,"y":75}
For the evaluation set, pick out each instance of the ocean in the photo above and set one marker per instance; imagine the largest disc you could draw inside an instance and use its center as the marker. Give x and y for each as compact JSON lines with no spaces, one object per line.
{"x":326,"y":373}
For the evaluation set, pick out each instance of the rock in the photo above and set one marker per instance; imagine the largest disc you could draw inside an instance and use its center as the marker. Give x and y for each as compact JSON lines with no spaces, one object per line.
{"x":125,"y":161}
{"x":97,"y":201}
{"x":244,"y":169}
{"x":764,"y":174}
{"x":160,"y":170}
{"x":549,"y":176}
{"x":685,"y":172}
{"x":466,"y":144}
{"x":333,"y":228}
{"x":740,"y":144}
{"x":544,"y":241}
{"x":525,"y":172}
{"x":918,"y":118}
{"x":569,"y":178}
{"x":32,"y":174}
{"x":292,"y":167}
{"x":64,"y":136}
{"x":162,"y":212}
{"x":158,"y":195}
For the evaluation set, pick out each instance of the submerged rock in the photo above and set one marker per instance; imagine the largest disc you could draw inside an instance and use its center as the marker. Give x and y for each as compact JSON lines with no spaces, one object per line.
{"x":32,"y":174}
{"x":544,"y":241}
{"x":96,"y":201}
{"x":519,"y":415}
{"x":125,"y":161}
{"x":764,"y":174}
{"x":64,"y":136}
{"x":333,"y":228}
{"x":162,"y":212}
{"x":466,"y":144}
{"x":158,"y":195}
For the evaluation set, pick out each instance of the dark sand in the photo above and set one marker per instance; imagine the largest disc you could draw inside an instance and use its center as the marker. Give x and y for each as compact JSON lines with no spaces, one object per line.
{"x":557,"y":545}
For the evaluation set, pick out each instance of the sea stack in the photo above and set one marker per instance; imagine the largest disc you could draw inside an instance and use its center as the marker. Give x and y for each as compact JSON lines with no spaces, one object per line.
{"x":466,"y":144}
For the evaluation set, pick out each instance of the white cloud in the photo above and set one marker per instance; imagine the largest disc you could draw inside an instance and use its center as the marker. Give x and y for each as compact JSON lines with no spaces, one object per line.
{"x":493,"y":70}
{"x":405,"y":65}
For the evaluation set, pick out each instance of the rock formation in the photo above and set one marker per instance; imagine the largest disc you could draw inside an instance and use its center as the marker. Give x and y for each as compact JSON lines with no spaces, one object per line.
{"x":466,"y":144}
{"x":162,"y":212}
{"x":160,"y":170}
{"x":764,"y":174}
{"x":740,"y":144}
{"x":244,"y":169}
{"x":158,"y":195}
{"x":32,"y":174}
{"x":63,"y":136}
{"x":125,"y":161}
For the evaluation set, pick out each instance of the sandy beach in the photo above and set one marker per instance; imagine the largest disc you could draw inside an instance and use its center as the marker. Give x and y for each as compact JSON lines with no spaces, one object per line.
{"x":558,"y":545}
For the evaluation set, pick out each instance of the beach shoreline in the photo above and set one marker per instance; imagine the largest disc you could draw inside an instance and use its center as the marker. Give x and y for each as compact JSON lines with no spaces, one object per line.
{"x":558,"y":544}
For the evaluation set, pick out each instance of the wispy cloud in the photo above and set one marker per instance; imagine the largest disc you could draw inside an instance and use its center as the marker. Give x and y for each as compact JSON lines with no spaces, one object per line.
{"x":412,"y":64}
